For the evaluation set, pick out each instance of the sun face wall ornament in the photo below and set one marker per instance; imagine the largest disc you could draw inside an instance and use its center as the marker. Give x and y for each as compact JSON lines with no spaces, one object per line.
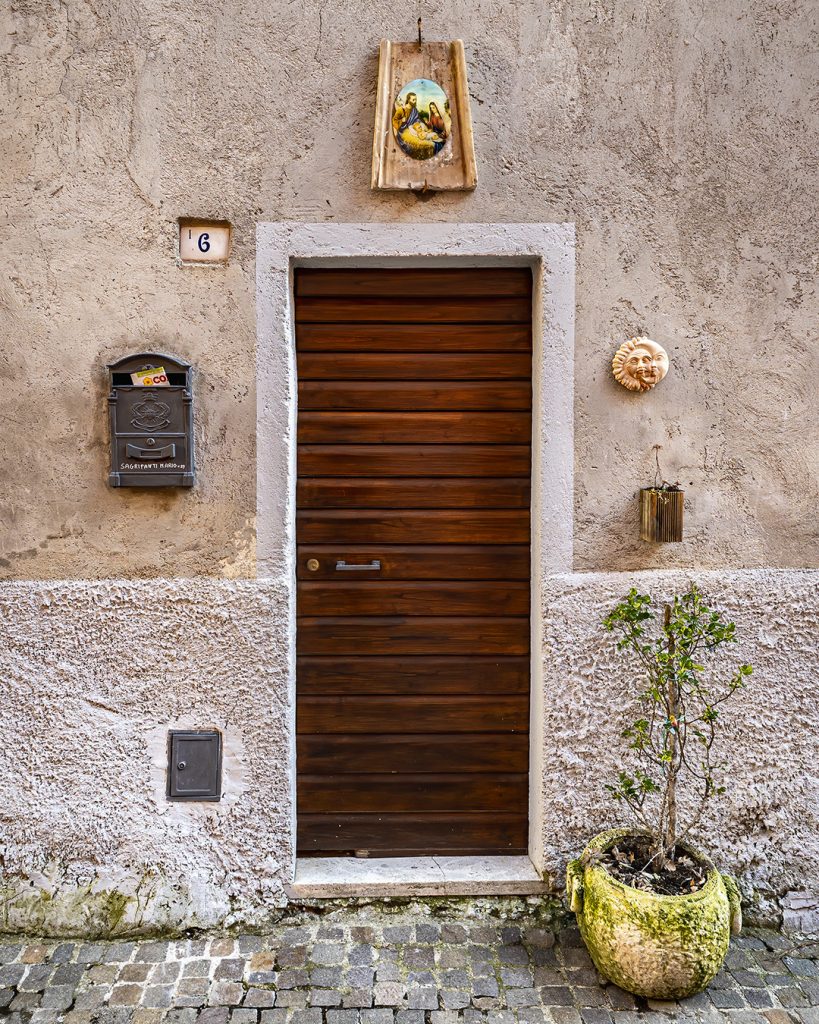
{"x":639,"y":364}
{"x":423,"y":124}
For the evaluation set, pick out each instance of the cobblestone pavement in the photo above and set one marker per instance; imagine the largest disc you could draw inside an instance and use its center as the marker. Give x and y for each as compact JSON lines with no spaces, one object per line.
{"x":384,"y":969}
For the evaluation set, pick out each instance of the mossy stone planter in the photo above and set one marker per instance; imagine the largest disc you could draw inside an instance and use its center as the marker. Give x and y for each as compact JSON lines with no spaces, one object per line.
{"x":662,"y":947}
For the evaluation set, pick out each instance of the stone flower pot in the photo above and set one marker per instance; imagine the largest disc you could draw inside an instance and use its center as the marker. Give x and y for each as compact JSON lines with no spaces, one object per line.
{"x":662,"y":947}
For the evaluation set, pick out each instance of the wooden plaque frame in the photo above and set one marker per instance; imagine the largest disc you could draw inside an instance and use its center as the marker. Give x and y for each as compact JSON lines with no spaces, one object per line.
{"x":453,"y":168}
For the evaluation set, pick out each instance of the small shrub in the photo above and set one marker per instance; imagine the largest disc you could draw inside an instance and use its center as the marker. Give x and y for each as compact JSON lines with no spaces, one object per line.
{"x":673,"y":739}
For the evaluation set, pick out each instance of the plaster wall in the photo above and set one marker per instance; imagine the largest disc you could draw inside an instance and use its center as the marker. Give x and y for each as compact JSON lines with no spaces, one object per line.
{"x":679,"y":139}
{"x":98,"y":671}
{"x":681,"y":143}
{"x":94,"y":674}
{"x":765,"y":827}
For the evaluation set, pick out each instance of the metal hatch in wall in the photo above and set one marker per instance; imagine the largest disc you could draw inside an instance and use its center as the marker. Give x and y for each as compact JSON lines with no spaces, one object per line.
{"x":413,"y":495}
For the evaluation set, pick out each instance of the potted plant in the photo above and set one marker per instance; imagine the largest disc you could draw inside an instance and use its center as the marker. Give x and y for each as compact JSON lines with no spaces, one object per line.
{"x":655,"y":914}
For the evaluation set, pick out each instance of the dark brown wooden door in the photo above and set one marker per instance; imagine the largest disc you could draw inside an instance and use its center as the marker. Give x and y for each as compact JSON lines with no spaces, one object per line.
{"x":414,"y":434}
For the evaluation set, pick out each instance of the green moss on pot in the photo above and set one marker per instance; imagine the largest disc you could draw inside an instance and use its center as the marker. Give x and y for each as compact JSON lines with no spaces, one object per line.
{"x":662,"y":947}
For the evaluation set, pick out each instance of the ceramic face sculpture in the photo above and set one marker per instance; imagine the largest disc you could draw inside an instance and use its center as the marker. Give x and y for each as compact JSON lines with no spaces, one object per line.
{"x":639,"y":364}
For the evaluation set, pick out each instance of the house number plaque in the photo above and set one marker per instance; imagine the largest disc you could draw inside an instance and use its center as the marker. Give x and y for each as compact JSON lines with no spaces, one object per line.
{"x":204,"y":241}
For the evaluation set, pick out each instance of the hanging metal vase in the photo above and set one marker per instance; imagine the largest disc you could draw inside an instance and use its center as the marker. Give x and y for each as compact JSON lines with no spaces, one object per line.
{"x":661,"y":514}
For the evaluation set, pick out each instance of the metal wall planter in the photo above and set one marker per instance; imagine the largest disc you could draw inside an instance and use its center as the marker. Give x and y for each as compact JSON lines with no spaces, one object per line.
{"x":661,"y":514}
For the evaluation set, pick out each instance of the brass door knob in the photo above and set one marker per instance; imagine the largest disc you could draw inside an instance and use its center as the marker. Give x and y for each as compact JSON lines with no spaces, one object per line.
{"x":312,"y":564}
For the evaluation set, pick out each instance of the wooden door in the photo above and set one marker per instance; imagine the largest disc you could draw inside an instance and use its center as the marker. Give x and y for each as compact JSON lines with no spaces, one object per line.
{"x":414,"y":433}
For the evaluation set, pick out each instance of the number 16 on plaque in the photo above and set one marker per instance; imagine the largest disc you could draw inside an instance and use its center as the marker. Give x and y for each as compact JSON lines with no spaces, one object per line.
{"x":204,"y":241}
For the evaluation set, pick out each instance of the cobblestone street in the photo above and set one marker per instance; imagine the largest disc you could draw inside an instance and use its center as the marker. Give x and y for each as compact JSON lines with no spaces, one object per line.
{"x":376,"y":968}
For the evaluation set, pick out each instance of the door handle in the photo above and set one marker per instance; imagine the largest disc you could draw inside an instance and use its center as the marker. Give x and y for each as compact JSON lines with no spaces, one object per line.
{"x":343,"y":566}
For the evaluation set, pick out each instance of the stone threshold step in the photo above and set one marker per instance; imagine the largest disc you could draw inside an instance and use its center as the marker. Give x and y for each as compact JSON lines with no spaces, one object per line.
{"x":415,"y":876}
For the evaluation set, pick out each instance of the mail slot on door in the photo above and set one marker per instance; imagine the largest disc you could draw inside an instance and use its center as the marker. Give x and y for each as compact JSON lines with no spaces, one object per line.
{"x":151,"y":412}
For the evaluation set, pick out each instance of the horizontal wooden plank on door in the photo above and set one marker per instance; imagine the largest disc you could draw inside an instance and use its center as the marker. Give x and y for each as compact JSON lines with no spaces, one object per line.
{"x":426,"y":366}
{"x":493,"y":713}
{"x":415,"y":396}
{"x":457,"y":752}
{"x":412,"y":675}
{"x":413,"y":526}
{"x":417,"y":834}
{"x":420,"y":427}
{"x":424,"y":282}
{"x":414,"y":337}
{"x":412,"y":562}
{"x":429,"y":460}
{"x":365,"y":635}
{"x":385,"y":309}
{"x":404,"y":492}
{"x":362,"y":794}
{"x":425,"y":597}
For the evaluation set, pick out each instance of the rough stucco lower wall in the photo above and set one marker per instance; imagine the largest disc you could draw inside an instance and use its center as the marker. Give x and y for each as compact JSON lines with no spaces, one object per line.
{"x":678,"y":137}
{"x":95,"y":673}
{"x":765,"y":828}
{"x":92,"y":675}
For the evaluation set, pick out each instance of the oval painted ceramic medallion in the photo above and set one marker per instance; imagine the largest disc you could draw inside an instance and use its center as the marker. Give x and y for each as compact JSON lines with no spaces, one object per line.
{"x":421,"y":121}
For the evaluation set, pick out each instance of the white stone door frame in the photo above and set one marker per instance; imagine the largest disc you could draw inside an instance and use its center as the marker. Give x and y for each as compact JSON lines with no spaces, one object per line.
{"x":549,"y":250}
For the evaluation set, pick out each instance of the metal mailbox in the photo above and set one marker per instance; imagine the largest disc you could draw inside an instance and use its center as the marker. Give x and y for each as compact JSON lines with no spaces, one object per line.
{"x":151,"y":426}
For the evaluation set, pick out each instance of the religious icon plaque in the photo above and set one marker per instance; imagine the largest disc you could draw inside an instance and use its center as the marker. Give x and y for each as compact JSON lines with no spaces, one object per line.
{"x":423,"y":124}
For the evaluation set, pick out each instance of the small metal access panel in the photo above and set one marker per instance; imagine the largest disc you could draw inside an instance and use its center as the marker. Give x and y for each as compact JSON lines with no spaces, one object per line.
{"x":195,"y":765}
{"x":151,"y":426}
